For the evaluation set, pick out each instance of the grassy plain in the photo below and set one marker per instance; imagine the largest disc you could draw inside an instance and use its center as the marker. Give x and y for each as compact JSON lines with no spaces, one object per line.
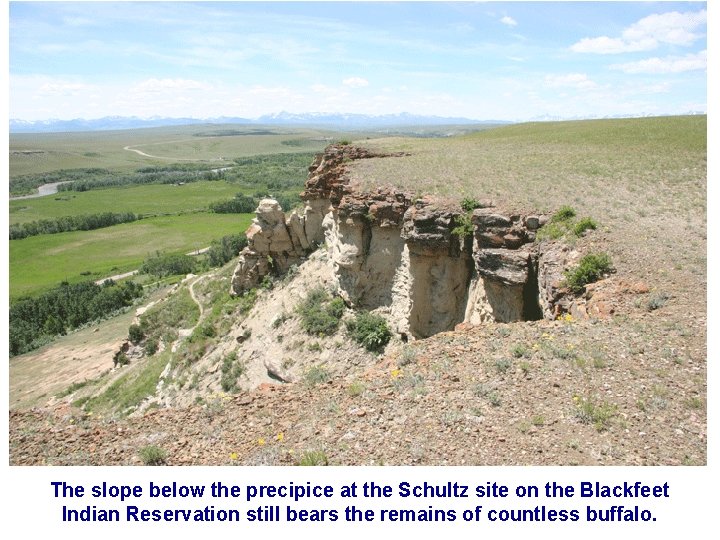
{"x":643,"y":180}
{"x":40,"y":262}
{"x":214,"y":144}
{"x":153,"y":199}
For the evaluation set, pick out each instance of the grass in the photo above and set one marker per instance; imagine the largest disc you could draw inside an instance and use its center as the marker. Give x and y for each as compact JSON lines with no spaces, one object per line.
{"x":153,"y":199}
{"x":41,"y":262}
{"x":313,"y":458}
{"x":163,"y":320}
{"x":598,"y":414}
{"x":129,"y":390}
{"x":152,"y":455}
{"x":174,"y":144}
{"x":597,"y":166}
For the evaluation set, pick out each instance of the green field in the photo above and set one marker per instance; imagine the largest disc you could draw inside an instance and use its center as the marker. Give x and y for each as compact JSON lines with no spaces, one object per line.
{"x":211,"y":144}
{"x":40,"y":262}
{"x":180,"y":220}
{"x":147,"y":199}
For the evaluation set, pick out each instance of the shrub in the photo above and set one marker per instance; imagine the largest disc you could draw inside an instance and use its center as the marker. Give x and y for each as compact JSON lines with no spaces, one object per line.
{"x":225,"y":249}
{"x":464,"y":226}
{"x":231,"y":369}
{"x":241,"y":204}
{"x":369,"y":330}
{"x":591,"y":268}
{"x":313,"y":458}
{"x":656,"y":301}
{"x":583,"y":225}
{"x":565,"y":213}
{"x":135,"y":333}
{"x":121,"y":359}
{"x":469,"y":204}
{"x":356,"y":388}
{"x":320,"y":316}
{"x":153,"y":455}
{"x":600,"y":415}
{"x":317,"y":375}
{"x":151,"y":346}
{"x":503,"y":364}
{"x":163,"y":265}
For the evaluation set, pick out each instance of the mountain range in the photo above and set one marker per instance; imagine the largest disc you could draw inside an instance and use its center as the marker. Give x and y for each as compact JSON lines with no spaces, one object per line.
{"x":329,"y":120}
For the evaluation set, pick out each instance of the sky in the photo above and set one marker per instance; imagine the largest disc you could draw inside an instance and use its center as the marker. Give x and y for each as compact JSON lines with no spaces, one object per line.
{"x":510,"y":61}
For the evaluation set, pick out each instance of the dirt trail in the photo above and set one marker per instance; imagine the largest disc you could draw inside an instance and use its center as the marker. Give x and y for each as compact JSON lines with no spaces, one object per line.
{"x":185,"y":332}
{"x":116,"y":277}
{"x":130,"y":148}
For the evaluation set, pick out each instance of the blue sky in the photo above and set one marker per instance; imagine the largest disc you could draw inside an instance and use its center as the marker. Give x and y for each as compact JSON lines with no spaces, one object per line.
{"x":491,"y":60}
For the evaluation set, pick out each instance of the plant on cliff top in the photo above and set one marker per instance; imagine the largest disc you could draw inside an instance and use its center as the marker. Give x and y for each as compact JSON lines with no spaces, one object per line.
{"x":464,"y":225}
{"x":468,"y":204}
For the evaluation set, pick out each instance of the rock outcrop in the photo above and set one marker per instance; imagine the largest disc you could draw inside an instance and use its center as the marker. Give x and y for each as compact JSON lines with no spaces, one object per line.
{"x":423,"y":262}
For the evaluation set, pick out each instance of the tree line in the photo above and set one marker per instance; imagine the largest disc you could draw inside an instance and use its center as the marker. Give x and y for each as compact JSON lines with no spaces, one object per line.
{"x":85,"y":222}
{"x":34,"y":321}
{"x":245,"y":204}
{"x":172,"y":264}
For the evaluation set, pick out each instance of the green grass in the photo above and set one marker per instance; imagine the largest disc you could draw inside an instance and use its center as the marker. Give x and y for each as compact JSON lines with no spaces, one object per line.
{"x":40,"y":262}
{"x":173,"y":144}
{"x":131,"y":389}
{"x":149,"y":199}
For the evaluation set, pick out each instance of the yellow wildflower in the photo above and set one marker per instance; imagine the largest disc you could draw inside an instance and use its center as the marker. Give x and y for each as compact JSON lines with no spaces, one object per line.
{"x":261,"y":441}
{"x":233,"y":455}
{"x":396,"y":372}
{"x":280,"y":437}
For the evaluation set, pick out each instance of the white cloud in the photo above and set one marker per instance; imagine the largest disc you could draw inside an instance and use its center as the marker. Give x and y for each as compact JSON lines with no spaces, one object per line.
{"x":648,"y":33}
{"x":579,"y":81}
{"x":669,"y":64}
{"x":62,"y":88}
{"x":355,"y":82}
{"x":674,"y":28}
{"x":165,"y":85}
{"x":608,"y":45}
{"x":508,"y":20}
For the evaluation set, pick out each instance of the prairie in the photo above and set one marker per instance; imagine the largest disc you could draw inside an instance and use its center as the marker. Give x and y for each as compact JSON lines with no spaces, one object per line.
{"x":40,"y":262}
{"x":46,"y":152}
{"x":153,"y":199}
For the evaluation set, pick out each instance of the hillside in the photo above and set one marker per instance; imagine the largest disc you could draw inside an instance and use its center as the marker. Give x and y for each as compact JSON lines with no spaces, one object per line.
{"x":619,"y":377}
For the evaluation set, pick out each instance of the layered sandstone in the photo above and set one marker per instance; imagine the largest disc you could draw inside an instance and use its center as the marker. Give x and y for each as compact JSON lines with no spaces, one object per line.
{"x":413,"y":259}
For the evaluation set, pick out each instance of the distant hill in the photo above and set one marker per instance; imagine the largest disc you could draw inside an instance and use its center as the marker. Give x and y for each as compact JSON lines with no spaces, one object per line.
{"x":336,"y":121}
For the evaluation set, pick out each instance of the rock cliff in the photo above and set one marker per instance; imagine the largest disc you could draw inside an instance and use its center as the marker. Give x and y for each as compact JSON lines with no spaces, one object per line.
{"x":422,"y":261}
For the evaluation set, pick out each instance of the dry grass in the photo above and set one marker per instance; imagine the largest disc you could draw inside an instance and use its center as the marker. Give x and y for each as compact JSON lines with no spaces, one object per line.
{"x":642,"y":180}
